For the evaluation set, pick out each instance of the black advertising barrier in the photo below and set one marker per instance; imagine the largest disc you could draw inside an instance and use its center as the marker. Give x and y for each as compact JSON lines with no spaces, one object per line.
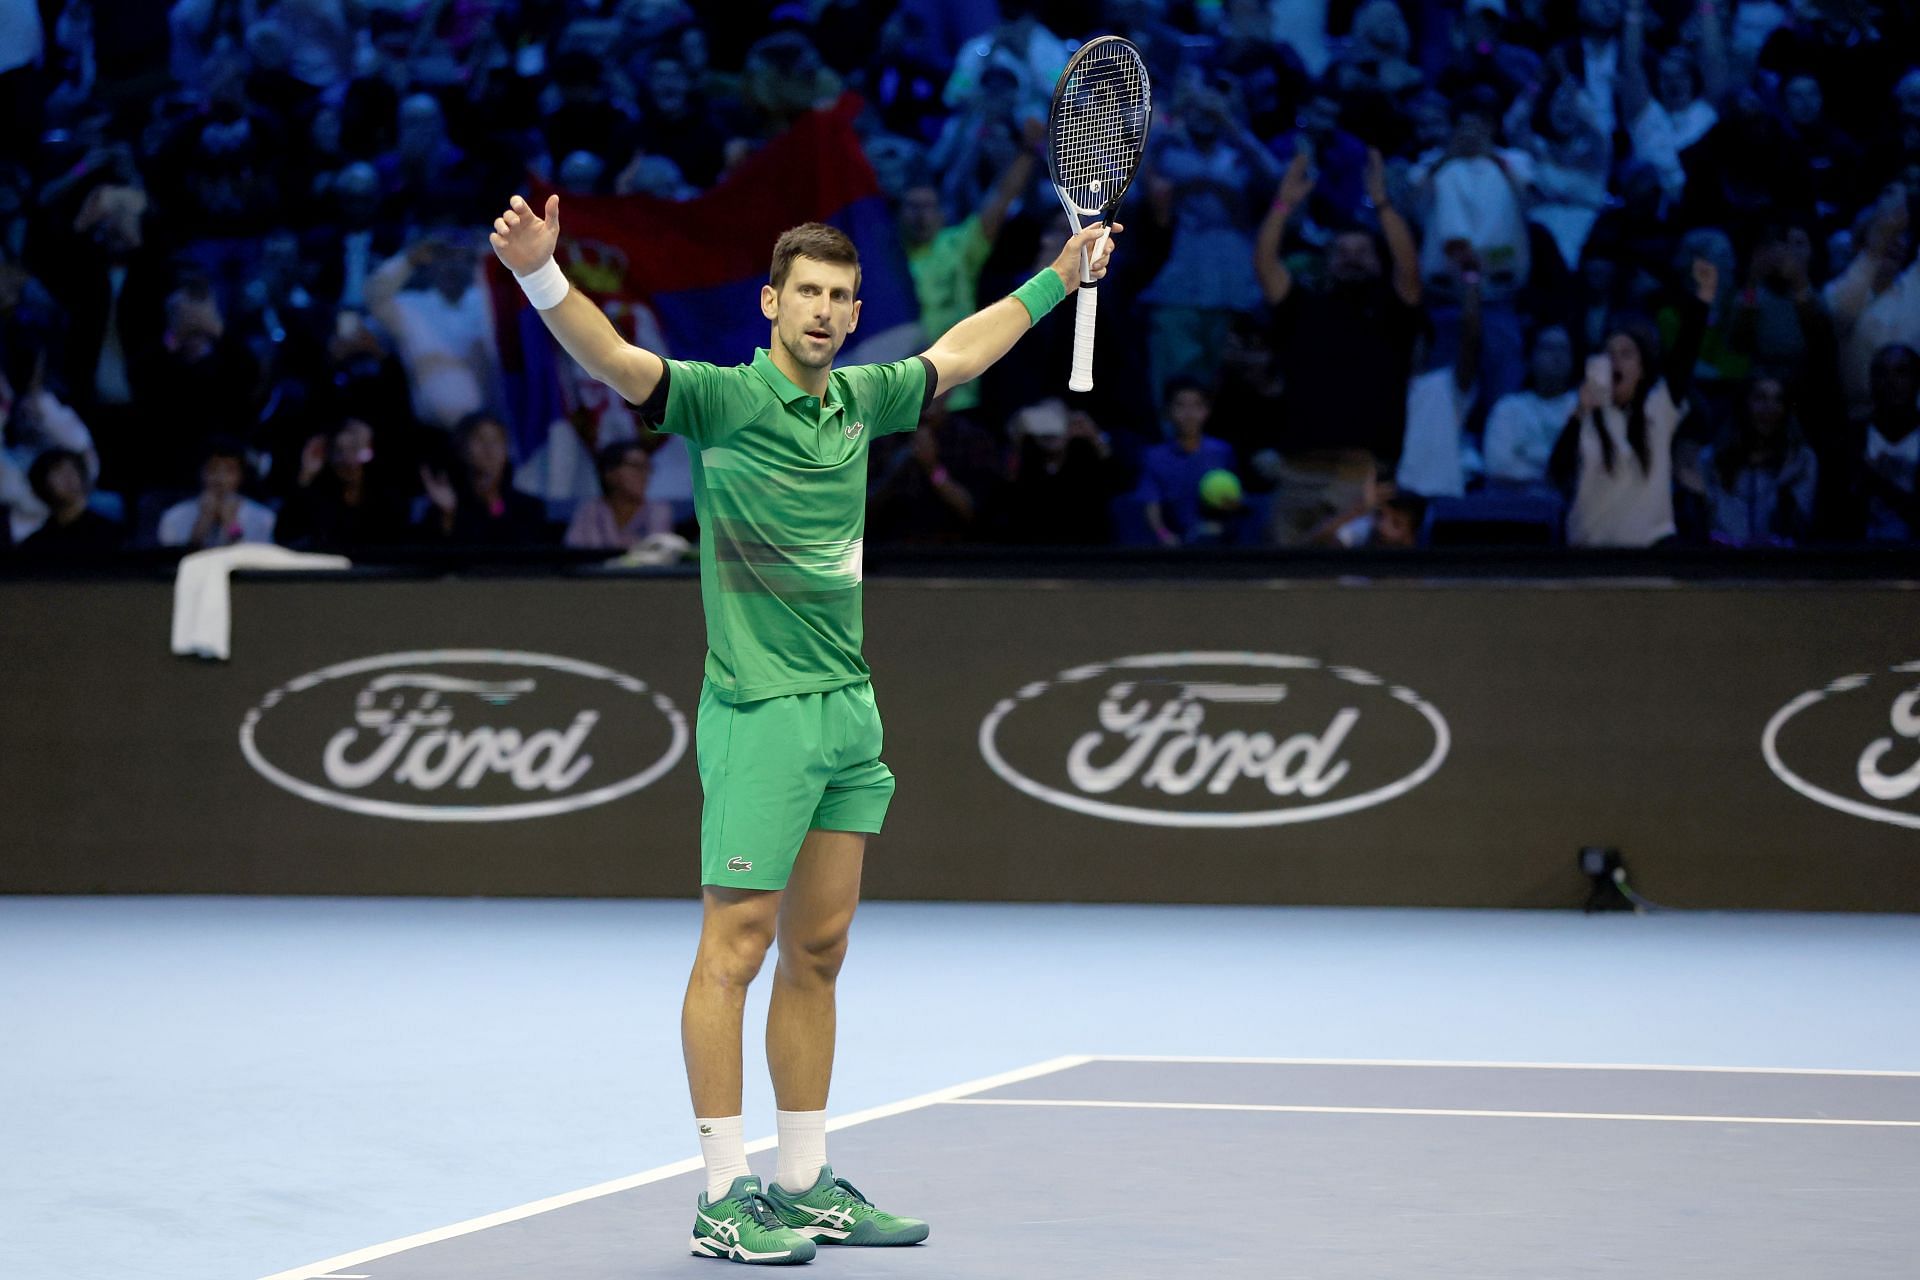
{"x":1385,"y":743}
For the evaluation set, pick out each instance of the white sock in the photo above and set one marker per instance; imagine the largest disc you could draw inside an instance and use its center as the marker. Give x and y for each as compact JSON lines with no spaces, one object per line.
{"x":803,"y":1149}
{"x":725,"y":1152}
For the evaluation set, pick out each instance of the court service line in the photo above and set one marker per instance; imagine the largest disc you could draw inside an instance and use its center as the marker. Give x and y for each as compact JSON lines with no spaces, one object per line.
{"x":1420,"y":1111}
{"x":319,"y":1270}
{"x":1500,"y":1066}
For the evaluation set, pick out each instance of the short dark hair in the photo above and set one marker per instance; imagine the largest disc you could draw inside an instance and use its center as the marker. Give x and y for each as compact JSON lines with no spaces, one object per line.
{"x":41,"y":471}
{"x":224,"y":446}
{"x":610,"y":457}
{"x":814,"y":240}
{"x":1181,"y":383}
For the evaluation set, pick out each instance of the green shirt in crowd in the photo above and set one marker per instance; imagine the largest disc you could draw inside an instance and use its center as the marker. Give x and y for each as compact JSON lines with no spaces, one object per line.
{"x":946,"y":279}
{"x":780,"y":487}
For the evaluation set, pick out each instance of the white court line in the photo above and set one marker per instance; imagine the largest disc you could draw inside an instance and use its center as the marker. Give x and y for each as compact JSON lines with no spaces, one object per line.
{"x":1418,"y":1111}
{"x":1510,"y":1066}
{"x":317,"y":1270}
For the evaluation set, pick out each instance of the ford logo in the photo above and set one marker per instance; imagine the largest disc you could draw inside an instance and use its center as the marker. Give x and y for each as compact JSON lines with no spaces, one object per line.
{"x":463,"y":735}
{"x":1855,"y":745}
{"x":1214,"y":739}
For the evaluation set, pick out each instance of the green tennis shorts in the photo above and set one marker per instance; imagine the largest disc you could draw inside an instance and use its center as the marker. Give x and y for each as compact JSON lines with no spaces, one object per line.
{"x":775,"y":769}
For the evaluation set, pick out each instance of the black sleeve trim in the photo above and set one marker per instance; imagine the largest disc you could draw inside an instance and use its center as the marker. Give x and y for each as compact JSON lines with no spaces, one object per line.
{"x":653,"y":411}
{"x":933,"y":383}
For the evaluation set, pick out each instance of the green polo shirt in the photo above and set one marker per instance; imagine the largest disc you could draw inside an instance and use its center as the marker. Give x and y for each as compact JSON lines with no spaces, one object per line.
{"x":780,"y":486}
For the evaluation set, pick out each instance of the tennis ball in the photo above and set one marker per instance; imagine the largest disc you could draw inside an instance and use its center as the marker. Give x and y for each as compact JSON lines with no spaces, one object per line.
{"x":1220,"y":488}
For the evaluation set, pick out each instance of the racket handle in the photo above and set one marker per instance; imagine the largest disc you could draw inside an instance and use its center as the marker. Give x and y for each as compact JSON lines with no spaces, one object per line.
{"x":1089,"y":307}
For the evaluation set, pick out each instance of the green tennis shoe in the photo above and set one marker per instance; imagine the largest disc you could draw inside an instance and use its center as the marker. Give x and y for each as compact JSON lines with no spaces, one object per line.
{"x":744,"y":1227}
{"x":833,"y":1212}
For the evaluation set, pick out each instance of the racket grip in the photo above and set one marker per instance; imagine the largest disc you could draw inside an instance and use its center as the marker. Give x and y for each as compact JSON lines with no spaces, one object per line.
{"x":1088,"y":308}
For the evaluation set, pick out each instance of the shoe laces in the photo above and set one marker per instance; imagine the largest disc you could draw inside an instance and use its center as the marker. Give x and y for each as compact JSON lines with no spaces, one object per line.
{"x":846,"y":1190}
{"x":756,"y":1206}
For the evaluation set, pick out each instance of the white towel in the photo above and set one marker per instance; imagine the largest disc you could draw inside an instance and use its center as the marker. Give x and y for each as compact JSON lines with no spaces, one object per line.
{"x":202,"y":603}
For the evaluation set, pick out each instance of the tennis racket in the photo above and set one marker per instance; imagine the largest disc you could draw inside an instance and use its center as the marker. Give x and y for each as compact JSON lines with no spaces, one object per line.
{"x":1096,"y":132}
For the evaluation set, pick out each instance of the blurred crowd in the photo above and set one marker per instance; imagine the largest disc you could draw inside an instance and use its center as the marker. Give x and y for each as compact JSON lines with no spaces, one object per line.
{"x":1395,"y":272}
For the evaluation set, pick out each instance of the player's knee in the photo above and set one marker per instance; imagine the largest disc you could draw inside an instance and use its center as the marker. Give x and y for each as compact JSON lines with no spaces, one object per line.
{"x":814,"y":958}
{"x":732,"y":956}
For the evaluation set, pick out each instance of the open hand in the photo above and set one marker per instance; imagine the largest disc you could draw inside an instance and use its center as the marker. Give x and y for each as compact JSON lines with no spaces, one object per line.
{"x":1299,"y":181}
{"x":439,"y":490}
{"x":523,"y":240}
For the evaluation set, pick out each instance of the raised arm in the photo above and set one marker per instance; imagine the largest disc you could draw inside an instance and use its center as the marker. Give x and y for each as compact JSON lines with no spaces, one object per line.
{"x":1400,"y":242}
{"x":1012,"y":181}
{"x":1694,"y":309}
{"x":525,"y":242}
{"x":971,"y":347}
{"x":1276,"y":281}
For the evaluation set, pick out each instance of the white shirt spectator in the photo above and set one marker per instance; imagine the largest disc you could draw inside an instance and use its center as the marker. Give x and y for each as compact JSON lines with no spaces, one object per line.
{"x":1866,"y":322}
{"x":1474,"y":199}
{"x":1436,"y":459}
{"x":447,"y":347}
{"x":251,"y":523}
{"x":1627,"y":506}
{"x":1899,"y":465}
{"x":1521,"y":430}
{"x":44,"y":423}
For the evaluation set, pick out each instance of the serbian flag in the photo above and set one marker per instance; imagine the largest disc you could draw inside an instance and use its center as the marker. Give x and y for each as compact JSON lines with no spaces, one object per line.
{"x":682,"y":278}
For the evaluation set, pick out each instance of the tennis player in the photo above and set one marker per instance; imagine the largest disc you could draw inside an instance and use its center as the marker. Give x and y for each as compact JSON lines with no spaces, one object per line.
{"x":788,"y":736}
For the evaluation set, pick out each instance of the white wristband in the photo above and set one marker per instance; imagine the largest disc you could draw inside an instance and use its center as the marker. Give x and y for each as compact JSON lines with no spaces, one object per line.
{"x":547,"y":287}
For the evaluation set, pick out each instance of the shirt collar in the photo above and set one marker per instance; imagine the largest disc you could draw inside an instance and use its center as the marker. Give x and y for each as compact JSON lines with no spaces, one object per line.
{"x":781,"y":385}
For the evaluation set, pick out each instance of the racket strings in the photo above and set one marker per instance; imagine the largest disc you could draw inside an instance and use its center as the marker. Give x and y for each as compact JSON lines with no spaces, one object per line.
{"x":1100,"y":124}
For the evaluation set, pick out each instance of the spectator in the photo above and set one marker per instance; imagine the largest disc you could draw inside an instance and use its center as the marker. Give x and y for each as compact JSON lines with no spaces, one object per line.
{"x":940,"y":484}
{"x":905,"y":78}
{"x":567,"y":470}
{"x":33,"y":421}
{"x":59,"y":481}
{"x":1779,"y":321}
{"x":1346,"y":351}
{"x":677,"y":123}
{"x":1204,"y":173}
{"x":1339,"y":163}
{"x":1063,"y":478}
{"x":1760,"y":475}
{"x":1170,"y":473}
{"x":354,"y":240}
{"x":946,"y":258}
{"x":1594,"y":59}
{"x":479,"y":506}
{"x":1822,"y":150}
{"x":1888,"y":475}
{"x":623,"y":515}
{"x":1616,"y":452}
{"x":1570,"y":160}
{"x":430,"y":301}
{"x":1027,"y":45}
{"x":1875,"y":302}
{"x":342,"y":501}
{"x":1523,"y":426}
{"x":220,"y":516}
{"x":195,"y":363}
{"x":978,"y":145}
{"x":1439,"y":457}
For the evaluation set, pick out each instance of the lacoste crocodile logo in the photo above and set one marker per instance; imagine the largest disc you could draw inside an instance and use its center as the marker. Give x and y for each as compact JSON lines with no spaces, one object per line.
{"x":739,"y":864}
{"x":852,"y":430}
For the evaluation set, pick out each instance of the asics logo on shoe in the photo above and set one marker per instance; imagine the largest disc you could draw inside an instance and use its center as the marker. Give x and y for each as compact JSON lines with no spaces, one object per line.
{"x":853,"y":430}
{"x":726,"y":1229}
{"x":739,"y":864}
{"x":831,"y":1217}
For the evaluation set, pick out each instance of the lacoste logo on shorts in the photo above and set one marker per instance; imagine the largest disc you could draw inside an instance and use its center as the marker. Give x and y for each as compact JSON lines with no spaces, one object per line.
{"x":853,"y":432}
{"x":739,"y":864}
